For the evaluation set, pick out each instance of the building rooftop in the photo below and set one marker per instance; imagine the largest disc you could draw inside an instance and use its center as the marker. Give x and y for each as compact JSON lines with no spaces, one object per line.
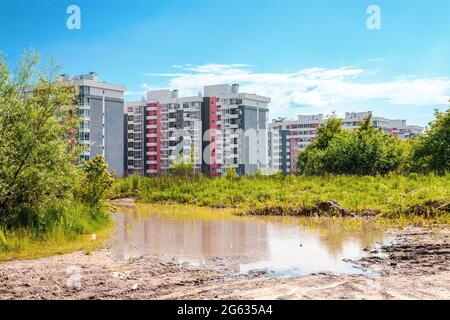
{"x":92,"y":80}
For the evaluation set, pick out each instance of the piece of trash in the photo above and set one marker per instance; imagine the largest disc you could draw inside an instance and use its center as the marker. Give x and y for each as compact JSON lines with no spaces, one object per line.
{"x":121,"y":275}
{"x":134,"y":287}
{"x":74,"y":280}
{"x":94,"y":237}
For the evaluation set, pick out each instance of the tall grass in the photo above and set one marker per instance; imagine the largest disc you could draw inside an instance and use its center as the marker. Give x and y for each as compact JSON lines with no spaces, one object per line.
{"x":391,"y":195}
{"x":39,"y":232}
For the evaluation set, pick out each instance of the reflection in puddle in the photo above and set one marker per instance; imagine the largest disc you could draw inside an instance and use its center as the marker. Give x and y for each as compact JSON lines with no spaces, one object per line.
{"x":279,"y":245}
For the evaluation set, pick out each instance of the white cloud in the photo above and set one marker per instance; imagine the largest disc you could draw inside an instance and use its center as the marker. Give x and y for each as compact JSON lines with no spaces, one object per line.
{"x":376,"y":60}
{"x":321,"y":88}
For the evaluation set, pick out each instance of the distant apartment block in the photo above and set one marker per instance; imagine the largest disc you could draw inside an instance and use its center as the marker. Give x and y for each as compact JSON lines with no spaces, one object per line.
{"x":178,"y":121}
{"x":102,"y":121}
{"x":162,"y":130}
{"x":397,"y":128}
{"x":222,"y":130}
{"x":234,"y":131}
{"x":288,"y":137}
{"x":135,"y":138}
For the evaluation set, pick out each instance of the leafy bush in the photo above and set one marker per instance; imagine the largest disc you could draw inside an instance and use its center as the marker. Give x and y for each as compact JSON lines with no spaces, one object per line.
{"x":369,"y":151}
{"x":432,"y":151}
{"x":231,"y":174}
{"x":96,"y":181}
{"x":366,"y":151}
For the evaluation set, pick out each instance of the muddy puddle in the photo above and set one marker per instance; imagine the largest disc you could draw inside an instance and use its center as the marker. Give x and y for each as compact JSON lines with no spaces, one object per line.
{"x":215,"y":238}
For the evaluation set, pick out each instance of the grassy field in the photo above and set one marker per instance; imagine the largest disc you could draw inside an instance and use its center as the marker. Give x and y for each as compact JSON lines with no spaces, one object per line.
{"x":391,"y":196}
{"x":64,"y":230}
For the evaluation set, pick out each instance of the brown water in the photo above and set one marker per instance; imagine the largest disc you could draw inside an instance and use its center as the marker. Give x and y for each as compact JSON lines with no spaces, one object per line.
{"x":216,"y":238}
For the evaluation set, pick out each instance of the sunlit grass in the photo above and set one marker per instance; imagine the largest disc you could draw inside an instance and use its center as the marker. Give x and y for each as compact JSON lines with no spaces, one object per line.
{"x":24,"y":247}
{"x":391,"y":195}
{"x":181,"y":212}
{"x":65,"y":230}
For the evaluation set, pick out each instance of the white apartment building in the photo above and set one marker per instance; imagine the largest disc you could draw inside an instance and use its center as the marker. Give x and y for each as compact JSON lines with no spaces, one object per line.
{"x":399,"y":128}
{"x":135,"y":137}
{"x":287,"y":137}
{"x":100,"y":108}
{"x":166,"y":128}
{"x":180,"y":127}
{"x":237,"y":124}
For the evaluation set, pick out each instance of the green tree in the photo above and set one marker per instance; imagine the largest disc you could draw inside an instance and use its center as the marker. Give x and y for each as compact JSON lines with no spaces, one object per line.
{"x":37,"y":125}
{"x":432,"y":151}
{"x":96,"y":181}
{"x":308,"y":161}
{"x":366,"y":151}
{"x":327,"y":132}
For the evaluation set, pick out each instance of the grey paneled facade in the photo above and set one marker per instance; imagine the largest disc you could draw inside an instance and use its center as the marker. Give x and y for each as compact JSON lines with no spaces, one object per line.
{"x":102,"y":115}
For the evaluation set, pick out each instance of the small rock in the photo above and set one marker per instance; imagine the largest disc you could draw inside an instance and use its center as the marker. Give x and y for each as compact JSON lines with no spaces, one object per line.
{"x":135,"y":287}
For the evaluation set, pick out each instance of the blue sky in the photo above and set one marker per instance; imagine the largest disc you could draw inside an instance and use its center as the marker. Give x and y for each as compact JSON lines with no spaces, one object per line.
{"x":309,"y":56}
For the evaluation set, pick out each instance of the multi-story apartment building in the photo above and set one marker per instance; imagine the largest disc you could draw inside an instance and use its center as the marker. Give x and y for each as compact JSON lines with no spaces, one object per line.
{"x":234,"y":131}
{"x":162,"y":130}
{"x":288,"y":137}
{"x":398,"y":128}
{"x":100,"y":107}
{"x":180,"y":128}
{"x":136,"y":137}
{"x":225,"y":129}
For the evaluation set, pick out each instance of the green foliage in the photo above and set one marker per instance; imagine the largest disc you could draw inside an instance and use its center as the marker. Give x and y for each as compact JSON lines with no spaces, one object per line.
{"x":96,"y":181}
{"x":183,"y":167}
{"x":69,"y":230}
{"x":36,"y":165}
{"x":231,"y":174}
{"x":326,"y":133}
{"x":432,"y":152}
{"x":309,"y":161}
{"x":44,"y":194}
{"x":366,"y":151}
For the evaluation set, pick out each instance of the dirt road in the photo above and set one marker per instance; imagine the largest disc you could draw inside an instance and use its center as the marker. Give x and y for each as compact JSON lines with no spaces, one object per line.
{"x":415,"y":266}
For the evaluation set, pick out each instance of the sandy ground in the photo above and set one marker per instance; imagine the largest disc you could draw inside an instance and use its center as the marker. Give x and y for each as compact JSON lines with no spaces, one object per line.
{"x":415,"y":266}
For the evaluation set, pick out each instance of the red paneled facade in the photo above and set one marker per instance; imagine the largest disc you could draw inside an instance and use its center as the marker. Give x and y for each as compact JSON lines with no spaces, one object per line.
{"x":214,"y":128}
{"x":153,"y":140}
